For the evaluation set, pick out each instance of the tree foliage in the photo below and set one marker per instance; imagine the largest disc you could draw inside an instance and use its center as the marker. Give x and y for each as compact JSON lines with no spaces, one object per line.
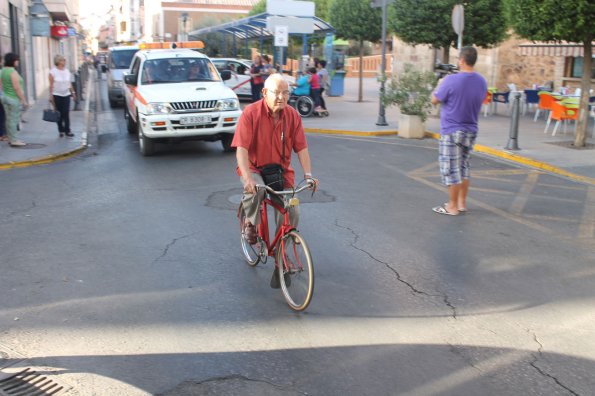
{"x":549,"y":20}
{"x":355,"y":20}
{"x":258,"y":8}
{"x":429,"y":22}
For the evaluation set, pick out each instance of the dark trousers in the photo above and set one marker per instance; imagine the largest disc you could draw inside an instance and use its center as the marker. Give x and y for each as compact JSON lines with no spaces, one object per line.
{"x":62,"y":104}
{"x":256,"y":91}
{"x":315,"y":92}
{"x":2,"y":121}
{"x":322,"y":102}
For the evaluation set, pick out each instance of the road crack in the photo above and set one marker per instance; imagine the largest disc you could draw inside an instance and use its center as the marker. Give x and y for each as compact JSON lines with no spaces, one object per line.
{"x":239,"y":377}
{"x":413,"y":289}
{"x":168,"y":246}
{"x":536,"y":358}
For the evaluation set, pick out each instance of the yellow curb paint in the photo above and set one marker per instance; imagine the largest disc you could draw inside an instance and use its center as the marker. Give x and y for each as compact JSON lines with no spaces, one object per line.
{"x":43,"y":160}
{"x":525,"y":161}
{"x":351,"y":133}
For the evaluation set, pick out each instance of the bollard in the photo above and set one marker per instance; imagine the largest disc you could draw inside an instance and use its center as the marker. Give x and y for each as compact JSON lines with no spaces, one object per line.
{"x":514,"y":123}
{"x":77,"y":89}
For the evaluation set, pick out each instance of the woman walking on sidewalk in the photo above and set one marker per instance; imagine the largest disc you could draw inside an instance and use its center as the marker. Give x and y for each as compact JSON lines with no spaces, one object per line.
{"x":13,"y":98}
{"x":60,"y":92}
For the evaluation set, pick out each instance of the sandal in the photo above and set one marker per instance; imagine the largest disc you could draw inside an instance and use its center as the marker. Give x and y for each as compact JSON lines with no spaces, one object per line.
{"x":442,"y":210}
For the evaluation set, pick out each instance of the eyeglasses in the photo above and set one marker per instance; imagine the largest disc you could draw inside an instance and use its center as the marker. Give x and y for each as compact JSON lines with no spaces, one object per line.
{"x":279,"y":93}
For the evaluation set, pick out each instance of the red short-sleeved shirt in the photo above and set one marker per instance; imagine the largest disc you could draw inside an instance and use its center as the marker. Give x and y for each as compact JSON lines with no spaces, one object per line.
{"x":257,"y":133}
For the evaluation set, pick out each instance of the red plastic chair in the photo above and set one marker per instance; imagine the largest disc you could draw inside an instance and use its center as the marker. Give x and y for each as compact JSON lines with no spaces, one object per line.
{"x":486,"y":103}
{"x":545,"y":102}
{"x":561,"y":112}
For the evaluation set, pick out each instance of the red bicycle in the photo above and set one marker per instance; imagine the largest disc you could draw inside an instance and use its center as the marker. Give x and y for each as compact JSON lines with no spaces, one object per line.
{"x":288,"y":247}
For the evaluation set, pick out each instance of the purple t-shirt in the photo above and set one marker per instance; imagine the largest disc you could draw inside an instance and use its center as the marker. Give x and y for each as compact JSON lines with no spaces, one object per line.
{"x":461,"y":96}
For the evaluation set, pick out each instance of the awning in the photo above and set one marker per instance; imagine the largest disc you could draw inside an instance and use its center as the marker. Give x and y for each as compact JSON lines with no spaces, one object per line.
{"x":255,"y":26}
{"x":551,"y":49}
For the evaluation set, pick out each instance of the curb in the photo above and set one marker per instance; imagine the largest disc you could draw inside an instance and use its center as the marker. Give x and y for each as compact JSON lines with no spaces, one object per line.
{"x":48,"y":159}
{"x":351,"y":133}
{"x":478,"y":148}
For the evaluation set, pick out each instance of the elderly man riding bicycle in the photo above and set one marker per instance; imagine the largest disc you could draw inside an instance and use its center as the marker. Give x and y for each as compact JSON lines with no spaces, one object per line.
{"x":267,"y":132}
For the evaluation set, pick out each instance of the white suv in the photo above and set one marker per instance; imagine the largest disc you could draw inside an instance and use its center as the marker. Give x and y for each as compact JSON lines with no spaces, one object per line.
{"x":178,"y":94}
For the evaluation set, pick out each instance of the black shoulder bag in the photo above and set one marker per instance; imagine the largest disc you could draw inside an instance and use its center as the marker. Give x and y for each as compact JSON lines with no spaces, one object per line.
{"x":272,"y":174}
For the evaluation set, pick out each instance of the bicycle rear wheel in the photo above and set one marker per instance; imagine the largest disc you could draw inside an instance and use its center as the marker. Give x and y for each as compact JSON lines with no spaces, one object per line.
{"x":296,"y":271}
{"x":252,"y":253}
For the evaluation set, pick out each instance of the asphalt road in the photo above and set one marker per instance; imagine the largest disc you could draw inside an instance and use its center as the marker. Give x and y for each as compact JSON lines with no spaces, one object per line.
{"x":123,"y":275}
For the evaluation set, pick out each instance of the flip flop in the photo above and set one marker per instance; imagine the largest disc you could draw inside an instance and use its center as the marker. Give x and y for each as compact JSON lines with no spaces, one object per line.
{"x":461,"y":210}
{"x":442,"y":210}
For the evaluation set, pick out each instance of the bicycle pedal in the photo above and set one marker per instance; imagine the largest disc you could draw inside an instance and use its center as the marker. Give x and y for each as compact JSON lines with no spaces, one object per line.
{"x":294,"y":201}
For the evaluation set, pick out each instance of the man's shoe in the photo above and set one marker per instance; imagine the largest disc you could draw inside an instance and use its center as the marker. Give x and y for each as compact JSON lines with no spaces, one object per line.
{"x":275,"y":284}
{"x":250,"y":233}
{"x":17,"y":143}
{"x":69,"y":134}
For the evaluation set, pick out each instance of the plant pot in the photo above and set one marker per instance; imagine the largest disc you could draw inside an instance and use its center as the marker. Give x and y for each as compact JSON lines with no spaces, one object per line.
{"x":411,"y":126}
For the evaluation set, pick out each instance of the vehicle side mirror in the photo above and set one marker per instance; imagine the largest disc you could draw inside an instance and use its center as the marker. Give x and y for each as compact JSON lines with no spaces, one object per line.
{"x":130,"y":79}
{"x":226,"y":75}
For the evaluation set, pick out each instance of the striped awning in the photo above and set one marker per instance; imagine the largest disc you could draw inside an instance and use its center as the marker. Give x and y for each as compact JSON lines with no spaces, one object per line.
{"x":551,"y":49}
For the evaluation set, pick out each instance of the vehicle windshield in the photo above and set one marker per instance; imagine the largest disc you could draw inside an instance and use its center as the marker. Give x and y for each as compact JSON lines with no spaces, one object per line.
{"x":175,"y":70}
{"x":121,"y":59}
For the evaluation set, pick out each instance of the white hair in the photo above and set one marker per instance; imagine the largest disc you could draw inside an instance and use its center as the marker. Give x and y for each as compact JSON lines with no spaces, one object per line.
{"x":273,"y":81}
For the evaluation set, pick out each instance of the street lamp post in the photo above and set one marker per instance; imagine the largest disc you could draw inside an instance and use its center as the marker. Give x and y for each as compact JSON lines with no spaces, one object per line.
{"x":381,"y":111}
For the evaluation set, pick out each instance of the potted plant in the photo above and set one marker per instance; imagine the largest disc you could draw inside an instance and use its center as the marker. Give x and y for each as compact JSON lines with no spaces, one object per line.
{"x":411,"y":91}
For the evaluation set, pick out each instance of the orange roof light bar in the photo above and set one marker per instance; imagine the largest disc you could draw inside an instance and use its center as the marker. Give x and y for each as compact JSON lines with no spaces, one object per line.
{"x":169,"y":45}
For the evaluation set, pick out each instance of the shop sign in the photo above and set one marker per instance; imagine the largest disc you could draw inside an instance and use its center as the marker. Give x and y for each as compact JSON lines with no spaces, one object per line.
{"x":59,"y":31}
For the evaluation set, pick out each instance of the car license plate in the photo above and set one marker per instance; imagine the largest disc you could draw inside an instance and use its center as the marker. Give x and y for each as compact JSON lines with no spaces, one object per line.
{"x":195,"y":120}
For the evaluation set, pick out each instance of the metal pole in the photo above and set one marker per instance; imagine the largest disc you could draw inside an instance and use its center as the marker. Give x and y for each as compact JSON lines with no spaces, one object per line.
{"x":514,"y":123}
{"x":381,"y":111}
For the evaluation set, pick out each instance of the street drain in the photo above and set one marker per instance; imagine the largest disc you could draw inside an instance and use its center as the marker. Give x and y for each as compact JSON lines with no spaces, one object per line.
{"x":30,"y":383}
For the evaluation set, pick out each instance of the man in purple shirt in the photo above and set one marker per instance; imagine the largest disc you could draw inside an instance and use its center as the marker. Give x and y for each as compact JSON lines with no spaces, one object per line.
{"x":461,"y":96}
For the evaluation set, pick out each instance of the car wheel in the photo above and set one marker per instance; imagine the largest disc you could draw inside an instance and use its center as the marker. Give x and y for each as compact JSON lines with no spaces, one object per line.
{"x":129,"y":123}
{"x":226,"y":143}
{"x":146,"y":145}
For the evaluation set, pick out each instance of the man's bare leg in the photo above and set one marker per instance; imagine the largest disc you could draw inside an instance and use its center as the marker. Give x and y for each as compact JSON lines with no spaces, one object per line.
{"x":462,"y":198}
{"x":454,"y":191}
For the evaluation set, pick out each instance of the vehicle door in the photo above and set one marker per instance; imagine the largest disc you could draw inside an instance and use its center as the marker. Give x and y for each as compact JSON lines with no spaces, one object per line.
{"x":240,"y":79}
{"x":130,"y":89}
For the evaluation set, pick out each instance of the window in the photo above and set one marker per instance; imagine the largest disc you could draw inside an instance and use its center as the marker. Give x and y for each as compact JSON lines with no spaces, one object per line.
{"x":575,"y":67}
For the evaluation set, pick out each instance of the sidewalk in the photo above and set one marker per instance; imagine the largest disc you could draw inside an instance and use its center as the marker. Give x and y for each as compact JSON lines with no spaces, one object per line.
{"x":44,"y":145}
{"x":539,"y":150}
{"x":347,"y":116}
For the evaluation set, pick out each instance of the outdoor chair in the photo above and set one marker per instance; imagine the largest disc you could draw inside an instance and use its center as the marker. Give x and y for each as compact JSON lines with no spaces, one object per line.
{"x":531,"y":98}
{"x":500,"y":97}
{"x":561,"y":113}
{"x":487,"y":102}
{"x":545,"y":102}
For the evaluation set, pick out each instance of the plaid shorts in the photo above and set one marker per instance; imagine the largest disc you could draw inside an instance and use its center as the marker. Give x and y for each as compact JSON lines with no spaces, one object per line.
{"x":454,"y":151}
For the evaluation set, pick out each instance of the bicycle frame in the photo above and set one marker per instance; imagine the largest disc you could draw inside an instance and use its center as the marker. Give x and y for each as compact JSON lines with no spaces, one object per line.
{"x":263,"y":227}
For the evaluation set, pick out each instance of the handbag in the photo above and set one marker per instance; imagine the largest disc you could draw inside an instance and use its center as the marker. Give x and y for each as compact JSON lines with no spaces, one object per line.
{"x":272,"y":174}
{"x":51,"y":115}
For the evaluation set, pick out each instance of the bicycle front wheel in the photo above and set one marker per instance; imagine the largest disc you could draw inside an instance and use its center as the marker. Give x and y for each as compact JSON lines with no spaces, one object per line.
{"x":252,"y":253}
{"x":296,"y":271}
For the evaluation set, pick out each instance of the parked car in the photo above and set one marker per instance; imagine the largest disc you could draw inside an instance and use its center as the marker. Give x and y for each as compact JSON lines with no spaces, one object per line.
{"x":240,"y":75}
{"x":118,"y":61}
{"x":178,"y":94}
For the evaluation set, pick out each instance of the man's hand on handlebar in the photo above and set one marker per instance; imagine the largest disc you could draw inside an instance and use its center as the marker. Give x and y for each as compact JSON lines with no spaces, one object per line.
{"x":313,"y":183}
{"x":249,"y":184}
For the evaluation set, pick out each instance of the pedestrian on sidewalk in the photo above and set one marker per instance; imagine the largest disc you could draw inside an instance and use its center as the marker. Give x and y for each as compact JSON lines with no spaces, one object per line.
{"x":3,"y":137}
{"x":314,"y":88}
{"x":461,"y":96}
{"x":256,"y":80}
{"x":60,"y":92}
{"x":13,"y":99}
{"x":323,"y":79}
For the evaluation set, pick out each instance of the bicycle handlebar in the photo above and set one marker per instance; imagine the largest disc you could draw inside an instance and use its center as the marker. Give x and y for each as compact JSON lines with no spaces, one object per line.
{"x":309,"y":183}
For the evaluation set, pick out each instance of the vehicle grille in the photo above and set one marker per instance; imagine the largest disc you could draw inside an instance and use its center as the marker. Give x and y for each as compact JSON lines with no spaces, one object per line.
{"x":202,"y":105}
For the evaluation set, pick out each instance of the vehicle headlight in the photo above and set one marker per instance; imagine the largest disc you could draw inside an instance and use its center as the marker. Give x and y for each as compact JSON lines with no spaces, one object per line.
{"x":158,"y":108}
{"x":228,"y":104}
{"x":118,"y":84}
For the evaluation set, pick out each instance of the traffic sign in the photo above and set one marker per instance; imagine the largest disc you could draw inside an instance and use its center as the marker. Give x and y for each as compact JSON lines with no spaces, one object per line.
{"x":458,"y":19}
{"x":281,"y":36}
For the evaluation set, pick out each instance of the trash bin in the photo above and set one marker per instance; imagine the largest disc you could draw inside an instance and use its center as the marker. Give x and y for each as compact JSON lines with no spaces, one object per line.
{"x":337,"y":83}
